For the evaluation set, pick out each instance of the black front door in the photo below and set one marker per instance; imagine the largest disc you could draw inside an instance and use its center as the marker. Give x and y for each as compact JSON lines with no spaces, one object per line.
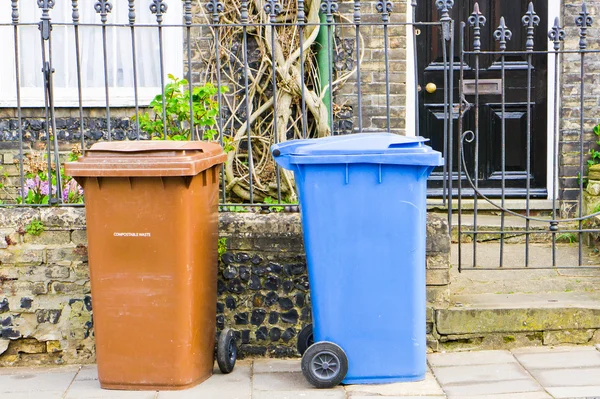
{"x":431,"y":110}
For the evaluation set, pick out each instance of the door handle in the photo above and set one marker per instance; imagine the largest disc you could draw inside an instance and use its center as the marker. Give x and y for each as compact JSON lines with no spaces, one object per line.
{"x":430,"y":88}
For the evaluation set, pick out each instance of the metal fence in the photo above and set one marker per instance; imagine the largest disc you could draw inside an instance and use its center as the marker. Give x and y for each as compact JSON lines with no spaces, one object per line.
{"x":262,"y":72}
{"x":487,"y":237}
{"x":336,"y":72}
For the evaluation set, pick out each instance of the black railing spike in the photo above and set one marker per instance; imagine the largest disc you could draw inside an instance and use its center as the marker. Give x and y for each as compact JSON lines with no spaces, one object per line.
{"x":385,"y":8}
{"x":131,"y":14}
{"x":158,"y":8}
{"x":557,"y":34}
{"x":301,"y":12}
{"x":357,"y":12}
{"x":187,"y":12}
{"x":444,"y":7}
{"x":329,"y":7}
{"x":215,"y":8}
{"x":244,"y":12}
{"x":273,"y":9}
{"x":75,"y":11}
{"x":502,"y":34}
{"x":530,"y":20}
{"x":583,"y":21}
{"x":46,"y":6}
{"x":103,"y":7}
{"x":476,"y":20}
{"x":15,"y":11}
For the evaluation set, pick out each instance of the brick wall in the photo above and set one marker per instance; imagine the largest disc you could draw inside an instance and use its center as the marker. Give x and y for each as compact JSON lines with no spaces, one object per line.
{"x":571,"y":105}
{"x":46,"y":303}
{"x":373,"y":68}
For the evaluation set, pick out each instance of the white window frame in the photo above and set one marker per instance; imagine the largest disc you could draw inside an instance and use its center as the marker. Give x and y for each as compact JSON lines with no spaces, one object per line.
{"x":92,"y":97}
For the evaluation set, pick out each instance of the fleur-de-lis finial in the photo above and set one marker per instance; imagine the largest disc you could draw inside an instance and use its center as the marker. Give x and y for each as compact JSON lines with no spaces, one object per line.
{"x":444,"y":7}
{"x":215,"y":8}
{"x":584,"y":21}
{"x":44,"y":27}
{"x":329,"y":7}
{"x":530,"y":20}
{"x":502,"y":34}
{"x":15,"y":11}
{"x":103,"y":7}
{"x":131,"y":14}
{"x":158,"y":8}
{"x":273,"y":9}
{"x":557,"y":34}
{"x":476,"y":20}
{"x":385,"y":8}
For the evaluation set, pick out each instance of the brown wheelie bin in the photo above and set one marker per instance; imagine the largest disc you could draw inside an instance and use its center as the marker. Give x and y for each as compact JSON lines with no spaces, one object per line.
{"x":152,"y":226}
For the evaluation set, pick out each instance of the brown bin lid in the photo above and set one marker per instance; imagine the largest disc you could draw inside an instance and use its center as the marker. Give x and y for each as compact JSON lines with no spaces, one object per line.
{"x":147,"y":158}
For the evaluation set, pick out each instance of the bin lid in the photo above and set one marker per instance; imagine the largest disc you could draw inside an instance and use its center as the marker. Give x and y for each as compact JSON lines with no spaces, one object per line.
{"x":147,"y":158}
{"x":382,"y":148}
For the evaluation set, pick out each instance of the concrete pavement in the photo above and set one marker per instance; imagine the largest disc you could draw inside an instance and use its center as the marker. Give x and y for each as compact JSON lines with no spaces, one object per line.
{"x":524,"y":373}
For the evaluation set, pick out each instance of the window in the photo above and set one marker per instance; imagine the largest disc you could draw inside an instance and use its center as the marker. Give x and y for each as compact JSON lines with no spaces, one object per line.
{"x":64,"y":61}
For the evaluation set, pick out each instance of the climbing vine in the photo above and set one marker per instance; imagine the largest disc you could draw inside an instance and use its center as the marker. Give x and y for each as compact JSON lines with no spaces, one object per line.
{"x":298,"y":87}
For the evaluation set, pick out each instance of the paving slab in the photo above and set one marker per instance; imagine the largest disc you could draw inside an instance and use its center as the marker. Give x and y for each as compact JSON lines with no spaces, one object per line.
{"x":235,"y":385}
{"x":568,"y":377}
{"x":87,"y":372}
{"x":480,"y":373}
{"x":515,"y":388}
{"x":575,"y":392}
{"x":35,"y":380}
{"x":281,"y":382}
{"x":90,"y":389}
{"x":33,"y":395}
{"x":429,"y":386}
{"x":276,"y":366}
{"x":397,"y":397}
{"x":560,"y":358}
{"x":519,"y":395}
{"x":470,"y":358}
{"x":313,"y":394}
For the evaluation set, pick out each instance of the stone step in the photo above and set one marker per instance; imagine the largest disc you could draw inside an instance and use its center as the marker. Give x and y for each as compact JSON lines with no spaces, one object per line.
{"x":492,"y":321}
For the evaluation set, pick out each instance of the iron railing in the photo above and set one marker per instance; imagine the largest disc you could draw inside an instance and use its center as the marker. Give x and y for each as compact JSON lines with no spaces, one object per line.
{"x":489,"y":243}
{"x":220,"y":42}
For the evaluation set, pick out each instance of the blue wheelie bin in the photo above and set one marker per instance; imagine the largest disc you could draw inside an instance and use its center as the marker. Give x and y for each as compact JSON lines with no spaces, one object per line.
{"x":363,"y":205}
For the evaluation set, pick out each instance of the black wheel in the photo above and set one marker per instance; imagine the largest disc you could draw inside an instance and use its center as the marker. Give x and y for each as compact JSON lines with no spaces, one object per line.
{"x":324,"y":364}
{"x":226,"y":351}
{"x":305,"y":339}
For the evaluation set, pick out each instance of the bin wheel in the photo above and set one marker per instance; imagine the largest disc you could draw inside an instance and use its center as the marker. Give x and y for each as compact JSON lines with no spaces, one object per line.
{"x":305,"y":339}
{"x":324,"y":364}
{"x":226,"y":351}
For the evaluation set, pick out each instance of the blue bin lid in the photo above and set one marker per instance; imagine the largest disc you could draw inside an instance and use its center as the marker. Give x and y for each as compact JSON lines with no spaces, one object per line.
{"x":380,"y":148}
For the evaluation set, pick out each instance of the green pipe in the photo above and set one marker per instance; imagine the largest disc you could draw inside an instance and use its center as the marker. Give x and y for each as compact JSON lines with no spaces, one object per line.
{"x":324,"y":62}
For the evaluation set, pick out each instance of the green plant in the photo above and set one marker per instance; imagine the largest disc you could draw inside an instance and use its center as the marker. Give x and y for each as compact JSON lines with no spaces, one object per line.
{"x":594,"y":154}
{"x":39,"y":185}
{"x":567,"y":237}
{"x":35,"y":227}
{"x":222,"y":246}
{"x":205,"y":110}
{"x":278,"y":207}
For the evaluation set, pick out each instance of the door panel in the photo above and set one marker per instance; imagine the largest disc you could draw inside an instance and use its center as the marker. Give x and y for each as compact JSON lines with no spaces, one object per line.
{"x":431,"y":111}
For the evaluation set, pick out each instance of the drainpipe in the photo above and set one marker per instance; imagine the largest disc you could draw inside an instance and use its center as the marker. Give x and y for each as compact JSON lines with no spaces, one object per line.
{"x":324,"y":62}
